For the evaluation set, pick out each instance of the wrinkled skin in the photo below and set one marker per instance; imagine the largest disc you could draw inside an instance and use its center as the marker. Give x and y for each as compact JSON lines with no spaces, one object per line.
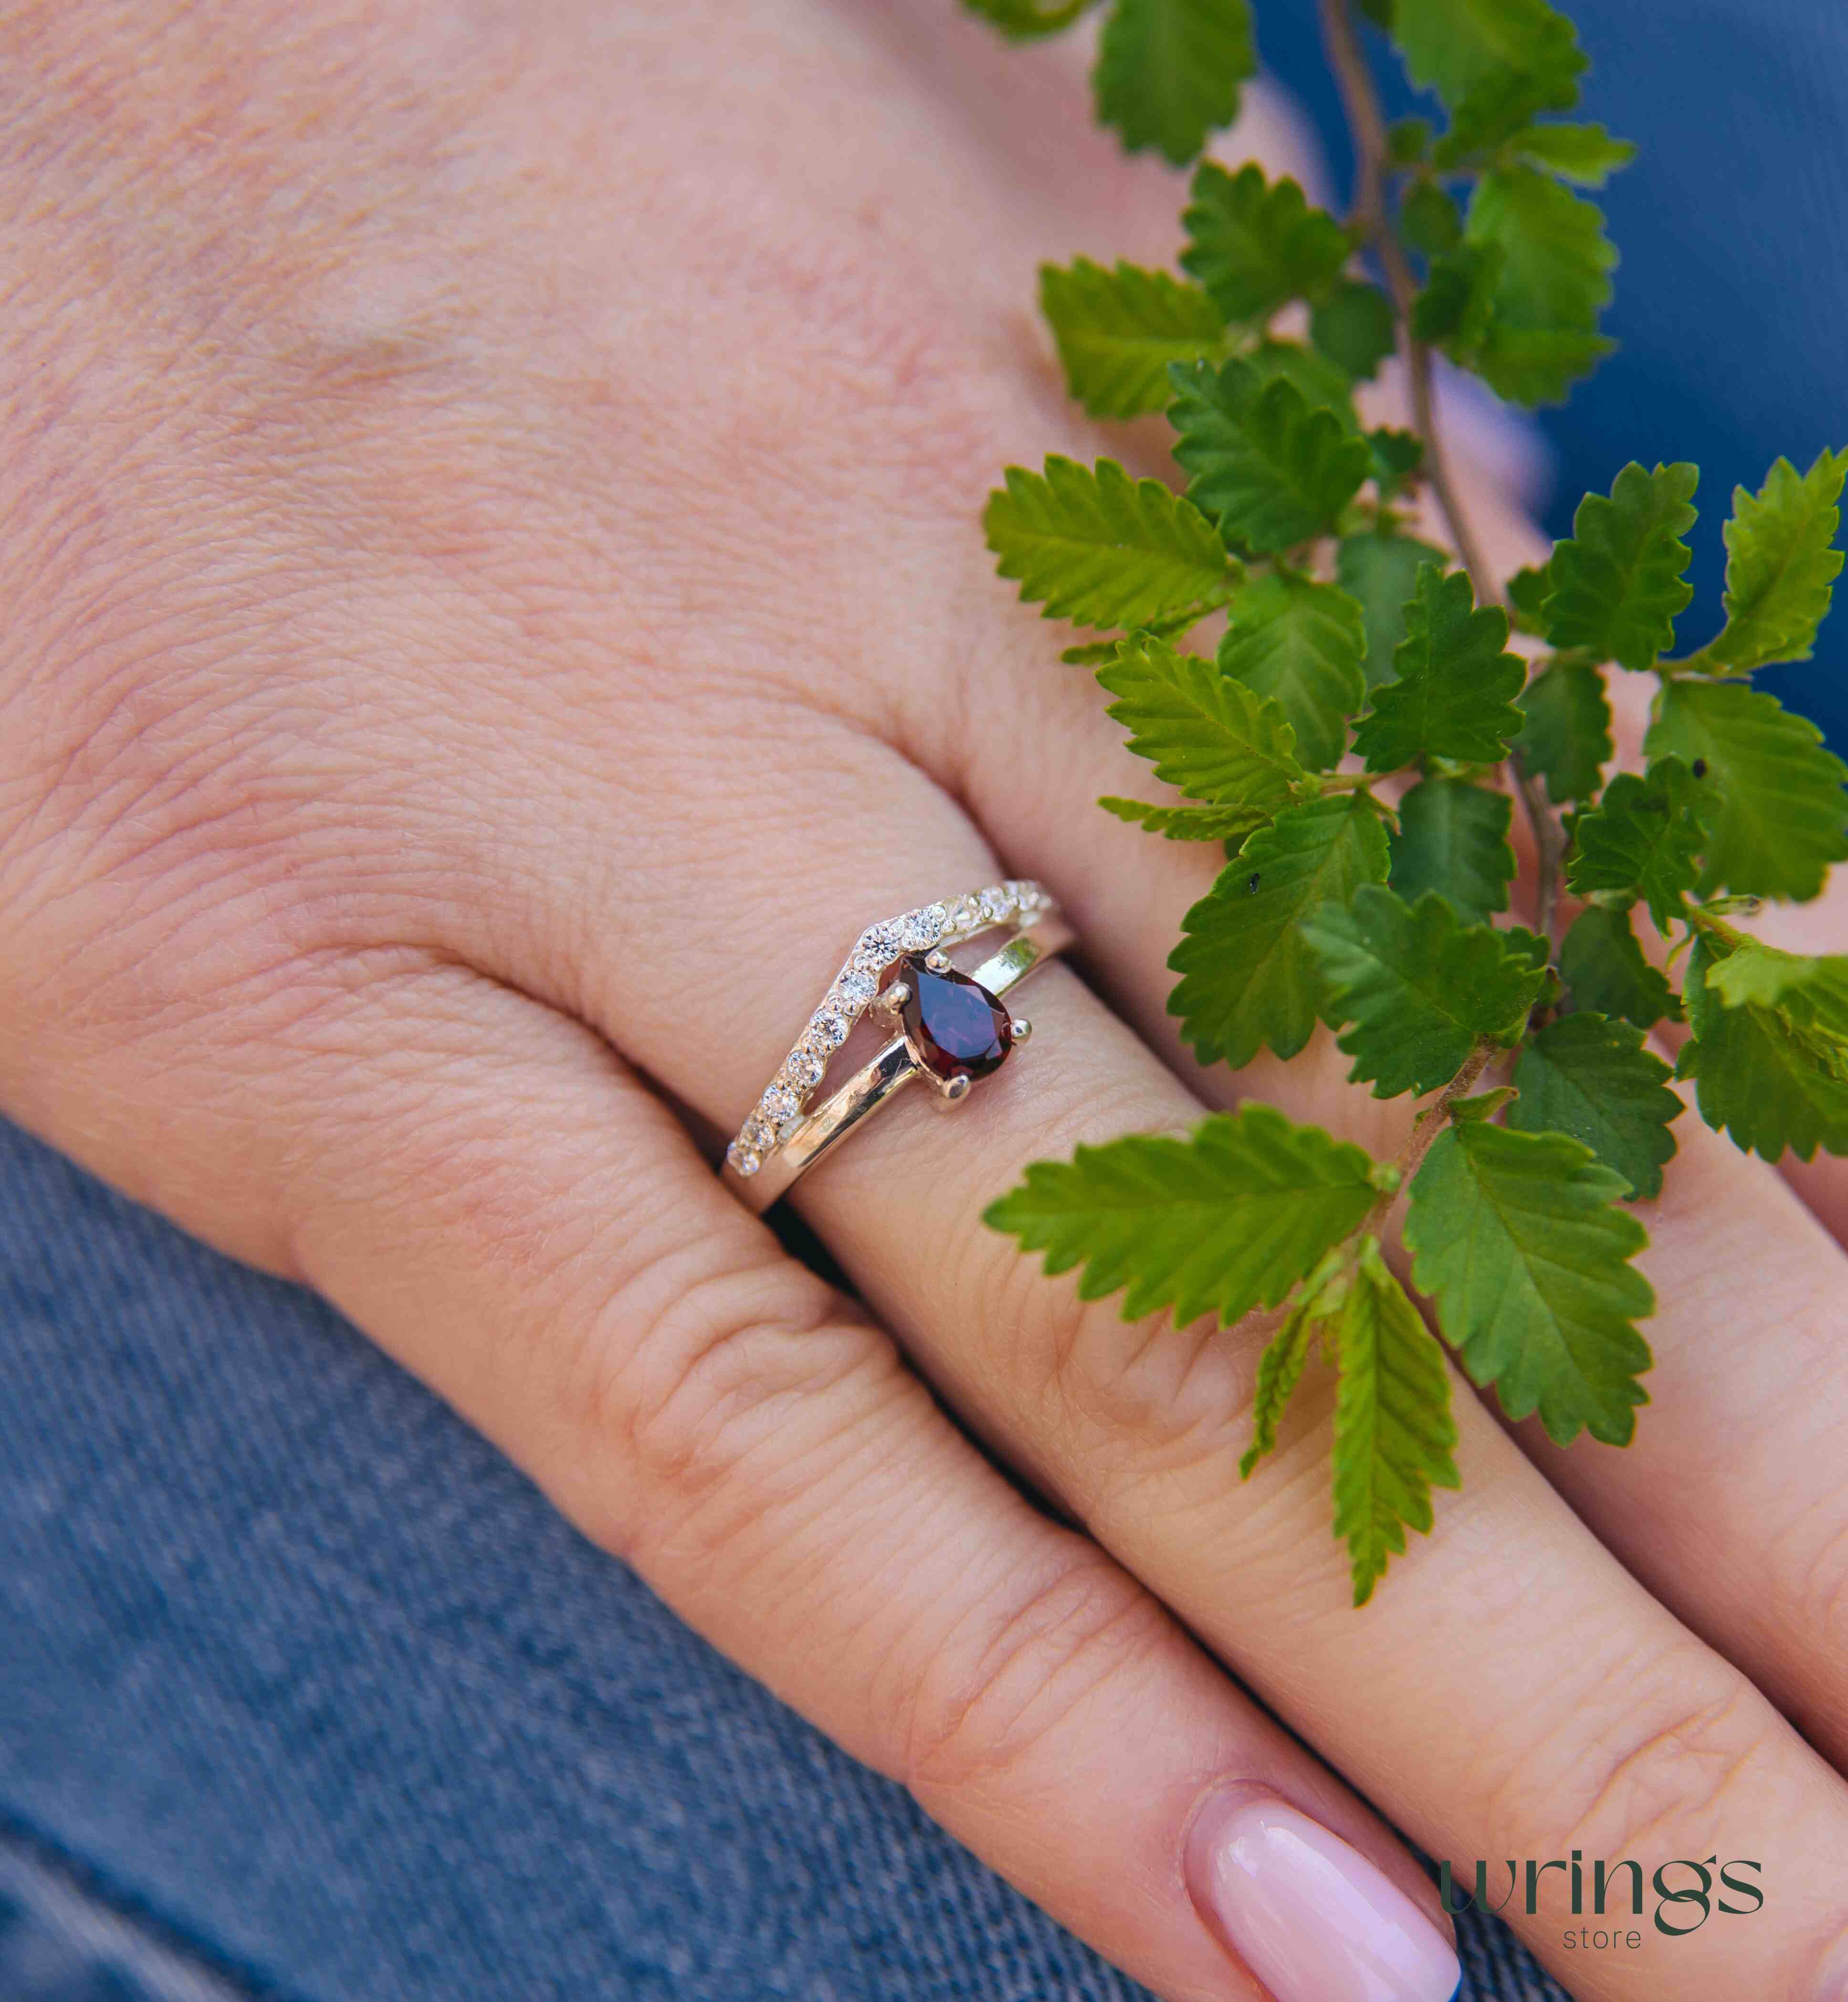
{"x":493,"y":604}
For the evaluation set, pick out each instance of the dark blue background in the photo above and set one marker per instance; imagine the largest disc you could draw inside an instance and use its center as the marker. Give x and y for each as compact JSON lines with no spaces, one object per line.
{"x":1733,"y":229}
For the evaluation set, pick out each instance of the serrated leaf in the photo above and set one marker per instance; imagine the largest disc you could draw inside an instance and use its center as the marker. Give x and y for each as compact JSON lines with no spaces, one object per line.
{"x":1270,"y":470}
{"x":1781,"y":564}
{"x":1248,"y":977}
{"x":1774,"y":1077}
{"x":1453,"y":696}
{"x":1542,"y":291}
{"x":1220,"y":742}
{"x":1118,"y":331}
{"x":1606,"y":974}
{"x":1314,"y":377}
{"x":1102,"y":549}
{"x":1452,"y":838}
{"x":1354,"y":327}
{"x":1591,"y":1077}
{"x":1483,"y":1104}
{"x":1301,"y":643}
{"x":1226,"y":1220}
{"x":1169,"y":72}
{"x":1253,"y":245}
{"x":1566,"y":740}
{"x":1643,"y":839}
{"x":1183,"y":823}
{"x":1773,"y":804}
{"x":1586,"y":153}
{"x":1415,"y":989}
{"x":1378,"y":572}
{"x":1520,"y":1240}
{"x":1456,"y":47}
{"x":1024,"y":20}
{"x":1394,"y":1437}
{"x":1280,"y":1367}
{"x":1755,"y":974}
{"x":1619,"y":580}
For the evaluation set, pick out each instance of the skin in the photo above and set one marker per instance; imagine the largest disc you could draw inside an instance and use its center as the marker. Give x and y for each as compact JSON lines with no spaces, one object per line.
{"x":493,"y":603}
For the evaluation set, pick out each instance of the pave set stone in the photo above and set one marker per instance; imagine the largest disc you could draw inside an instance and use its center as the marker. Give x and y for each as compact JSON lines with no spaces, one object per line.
{"x":852,"y":990}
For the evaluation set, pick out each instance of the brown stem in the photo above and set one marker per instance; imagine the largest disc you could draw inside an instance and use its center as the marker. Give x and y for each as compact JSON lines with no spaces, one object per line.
{"x":1367,"y":123}
{"x":1430,"y":1122}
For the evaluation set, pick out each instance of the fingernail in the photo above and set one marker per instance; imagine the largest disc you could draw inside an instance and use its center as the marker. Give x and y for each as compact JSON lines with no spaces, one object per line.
{"x":1311,"y":1917}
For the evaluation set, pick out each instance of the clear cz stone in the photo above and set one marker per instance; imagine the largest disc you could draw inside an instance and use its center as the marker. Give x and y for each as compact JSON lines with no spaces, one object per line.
{"x":744,"y":1159}
{"x":757,"y":1135}
{"x":967,"y":914}
{"x":780,"y":1104}
{"x":853,"y":990}
{"x":806,"y":1067}
{"x":996,"y":905}
{"x":922,"y":929}
{"x":829,"y":1031}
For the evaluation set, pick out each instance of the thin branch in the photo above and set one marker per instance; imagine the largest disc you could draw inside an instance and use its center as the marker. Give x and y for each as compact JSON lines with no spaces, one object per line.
{"x":1367,"y":124}
{"x":1430,"y":1122}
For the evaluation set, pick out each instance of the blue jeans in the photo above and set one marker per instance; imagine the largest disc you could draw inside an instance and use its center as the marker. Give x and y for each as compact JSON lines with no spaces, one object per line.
{"x":306,"y":1693}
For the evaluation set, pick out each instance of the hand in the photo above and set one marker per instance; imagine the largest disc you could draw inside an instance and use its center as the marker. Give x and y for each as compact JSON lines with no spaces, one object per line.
{"x":494,"y":605}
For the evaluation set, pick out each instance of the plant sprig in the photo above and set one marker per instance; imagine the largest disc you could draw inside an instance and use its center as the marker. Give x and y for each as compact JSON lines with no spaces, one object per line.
{"x":1355,"y":657}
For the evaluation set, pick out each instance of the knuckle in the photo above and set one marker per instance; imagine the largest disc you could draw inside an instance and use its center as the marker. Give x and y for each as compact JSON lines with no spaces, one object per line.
{"x":1021,"y":1666}
{"x":716,"y":1383}
{"x":1688,"y":1734}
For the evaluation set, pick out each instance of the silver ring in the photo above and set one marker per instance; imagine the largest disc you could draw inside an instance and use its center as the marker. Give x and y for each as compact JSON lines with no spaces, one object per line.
{"x":944,"y":1025}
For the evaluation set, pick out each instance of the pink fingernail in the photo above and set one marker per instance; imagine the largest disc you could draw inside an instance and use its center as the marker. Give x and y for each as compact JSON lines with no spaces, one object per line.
{"x":1312,"y":1918}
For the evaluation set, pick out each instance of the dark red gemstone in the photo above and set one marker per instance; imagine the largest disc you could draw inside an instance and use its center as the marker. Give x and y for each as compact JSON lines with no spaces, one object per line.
{"x":956,"y":1026}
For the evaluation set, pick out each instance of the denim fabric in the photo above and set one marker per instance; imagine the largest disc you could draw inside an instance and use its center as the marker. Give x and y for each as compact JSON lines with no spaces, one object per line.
{"x":305,"y":1693}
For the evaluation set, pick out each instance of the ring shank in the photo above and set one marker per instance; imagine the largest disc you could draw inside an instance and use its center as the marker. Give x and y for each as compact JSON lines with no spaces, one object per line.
{"x":881,"y":1080}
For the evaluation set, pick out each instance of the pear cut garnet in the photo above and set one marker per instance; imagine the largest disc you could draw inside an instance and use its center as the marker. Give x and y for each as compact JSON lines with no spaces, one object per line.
{"x":957,"y":1028}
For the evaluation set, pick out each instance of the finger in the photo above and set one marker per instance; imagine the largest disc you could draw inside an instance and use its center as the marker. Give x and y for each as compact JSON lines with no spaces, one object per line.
{"x":481,"y":1185}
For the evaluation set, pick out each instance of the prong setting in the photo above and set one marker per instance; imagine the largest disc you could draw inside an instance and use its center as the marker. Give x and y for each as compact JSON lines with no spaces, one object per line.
{"x":1022,"y":1028}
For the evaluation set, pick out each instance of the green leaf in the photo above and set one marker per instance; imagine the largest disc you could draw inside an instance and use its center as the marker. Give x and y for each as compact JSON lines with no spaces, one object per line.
{"x":1772,"y":795}
{"x":1454,"y":694}
{"x":1227,"y":1219}
{"x":1566,"y":740}
{"x":1022,"y":20}
{"x":1183,"y":823}
{"x":1416,"y":989}
{"x":1519,"y":1239}
{"x":1408,"y":139}
{"x":1757,"y":975}
{"x":1452,"y":838}
{"x":1528,"y":590}
{"x":1169,"y":72}
{"x":1586,"y":153}
{"x":1774,"y":1075}
{"x":1643,"y":839}
{"x":1483,"y":1104}
{"x":1118,"y":331}
{"x":1254,"y":245}
{"x":1606,"y":974}
{"x":1280,"y":1367}
{"x":1394,"y":1437}
{"x":1218,"y":740}
{"x":1103,"y":550}
{"x":1457,"y":46}
{"x":1544,"y":287}
{"x":1396,"y":456}
{"x":1429,"y":219}
{"x":1354,"y":327}
{"x":1271,"y":471}
{"x":1301,"y":643}
{"x":1621,"y":579}
{"x":1378,"y":572}
{"x":1320,"y":385}
{"x":1591,"y":1077}
{"x":1781,"y":564}
{"x":1248,"y":977}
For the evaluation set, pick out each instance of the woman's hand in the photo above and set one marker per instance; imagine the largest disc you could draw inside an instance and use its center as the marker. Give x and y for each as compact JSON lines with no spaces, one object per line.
{"x":487,"y":527}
